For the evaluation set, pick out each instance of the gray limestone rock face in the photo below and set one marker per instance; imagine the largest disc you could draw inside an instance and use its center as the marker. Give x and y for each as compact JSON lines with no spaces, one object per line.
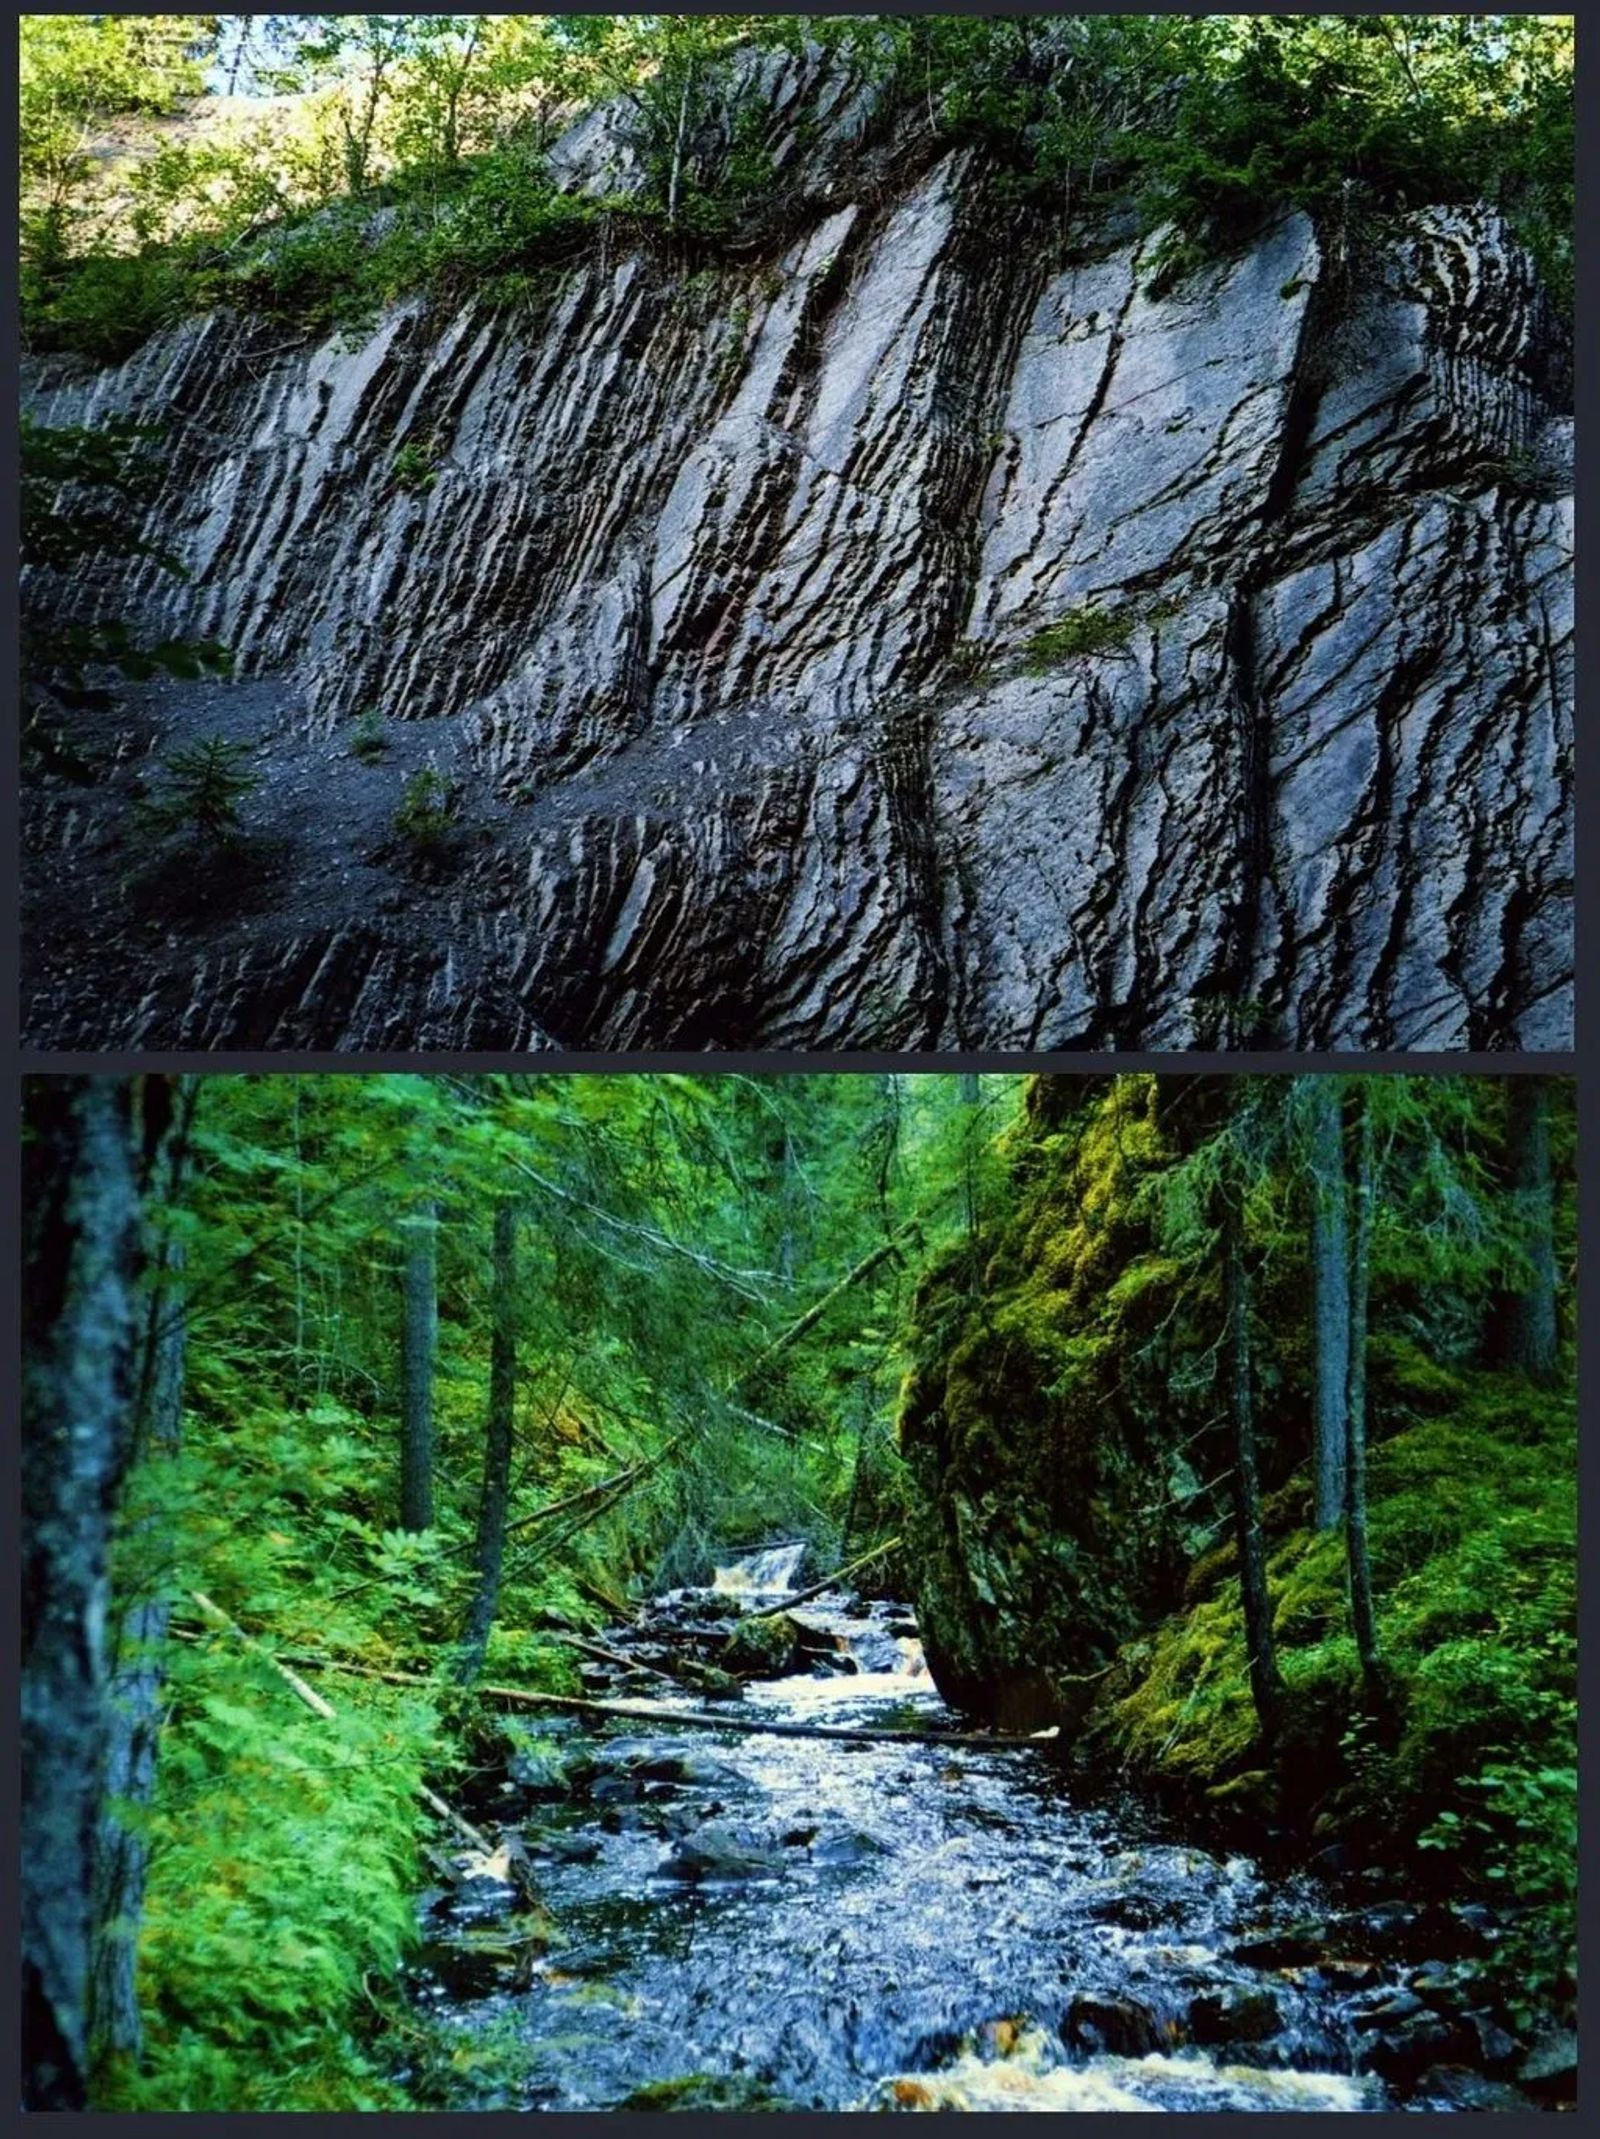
{"x":906,"y":640}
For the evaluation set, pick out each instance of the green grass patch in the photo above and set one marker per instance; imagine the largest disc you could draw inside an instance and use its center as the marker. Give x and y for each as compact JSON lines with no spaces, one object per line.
{"x":1080,"y":634}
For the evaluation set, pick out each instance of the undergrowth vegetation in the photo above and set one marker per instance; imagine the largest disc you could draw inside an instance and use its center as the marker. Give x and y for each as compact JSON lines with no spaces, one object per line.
{"x":407,"y":153}
{"x":666,"y":1412}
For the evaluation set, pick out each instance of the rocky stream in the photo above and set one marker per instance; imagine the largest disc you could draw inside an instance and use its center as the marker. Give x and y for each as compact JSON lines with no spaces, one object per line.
{"x":681,"y":1917}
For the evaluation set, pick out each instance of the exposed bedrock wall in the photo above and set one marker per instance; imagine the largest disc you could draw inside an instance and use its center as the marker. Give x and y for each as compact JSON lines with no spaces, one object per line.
{"x":729,"y":580}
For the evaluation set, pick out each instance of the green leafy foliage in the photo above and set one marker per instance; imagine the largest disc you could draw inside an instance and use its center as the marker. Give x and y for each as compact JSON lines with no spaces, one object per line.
{"x":426,"y":813}
{"x":202,"y":786}
{"x":1081,"y":632}
{"x":413,"y":469}
{"x":370,"y":740}
{"x":417,"y":153}
{"x":284,"y":1859}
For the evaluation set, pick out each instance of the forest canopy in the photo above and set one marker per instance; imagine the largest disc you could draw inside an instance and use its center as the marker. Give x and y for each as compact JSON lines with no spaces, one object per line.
{"x":321,"y":165}
{"x":424,"y":1384}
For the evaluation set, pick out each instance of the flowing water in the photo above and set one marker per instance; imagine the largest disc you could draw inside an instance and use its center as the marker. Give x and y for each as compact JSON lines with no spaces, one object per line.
{"x":841,"y":1924}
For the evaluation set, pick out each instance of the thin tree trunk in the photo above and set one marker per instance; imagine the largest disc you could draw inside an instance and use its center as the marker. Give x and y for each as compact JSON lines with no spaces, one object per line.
{"x":971,"y":1090}
{"x":492,"y":1507}
{"x":677,"y":148}
{"x":83,"y":1241}
{"x":1525,"y":1334}
{"x":1362,"y":1616}
{"x":418,"y":1344}
{"x":1330,"y":1290}
{"x":1266,"y":1688}
{"x":134,"y":1705}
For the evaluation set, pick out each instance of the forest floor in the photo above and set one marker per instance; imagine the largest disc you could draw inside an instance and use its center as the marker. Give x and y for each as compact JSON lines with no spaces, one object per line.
{"x":317,"y":848}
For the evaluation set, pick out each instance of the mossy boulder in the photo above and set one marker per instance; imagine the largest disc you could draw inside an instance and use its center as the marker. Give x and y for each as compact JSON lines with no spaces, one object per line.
{"x":763,"y":1646}
{"x":707,"y":2090}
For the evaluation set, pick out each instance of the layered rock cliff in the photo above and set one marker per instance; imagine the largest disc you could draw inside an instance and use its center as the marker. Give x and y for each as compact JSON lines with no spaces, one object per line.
{"x":910,"y":638}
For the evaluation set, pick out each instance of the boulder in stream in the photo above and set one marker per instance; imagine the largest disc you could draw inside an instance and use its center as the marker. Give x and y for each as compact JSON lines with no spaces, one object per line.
{"x":1099,"y":2022}
{"x":1234,"y":2013}
{"x":764,"y":1647}
{"x":716,"y":1855}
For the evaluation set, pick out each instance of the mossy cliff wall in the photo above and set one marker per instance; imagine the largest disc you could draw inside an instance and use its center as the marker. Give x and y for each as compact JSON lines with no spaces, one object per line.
{"x":1046,"y":1462}
{"x":1069,"y":1449}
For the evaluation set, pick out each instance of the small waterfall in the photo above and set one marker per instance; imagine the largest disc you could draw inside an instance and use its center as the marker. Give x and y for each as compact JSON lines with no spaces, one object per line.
{"x":768,"y":1573}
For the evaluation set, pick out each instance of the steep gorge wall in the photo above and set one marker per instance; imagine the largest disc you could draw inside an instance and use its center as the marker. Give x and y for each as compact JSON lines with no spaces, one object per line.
{"x":720,"y":603}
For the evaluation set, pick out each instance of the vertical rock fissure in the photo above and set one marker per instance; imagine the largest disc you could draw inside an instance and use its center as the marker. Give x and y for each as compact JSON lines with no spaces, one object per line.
{"x":1256,"y":1025}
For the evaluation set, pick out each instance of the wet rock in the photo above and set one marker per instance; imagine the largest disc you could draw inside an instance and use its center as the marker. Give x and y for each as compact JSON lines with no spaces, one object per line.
{"x":689,"y":1771}
{"x":1134,"y":1912}
{"x":850,"y":1848}
{"x":1298,"y":1948}
{"x":1441,"y":1983}
{"x":1550,"y":2068}
{"x":617,"y":1790}
{"x":1459,"y":2087}
{"x":567,"y":1848}
{"x":1385,"y":2007}
{"x":707,"y":2091}
{"x":1401,"y":2040}
{"x":764,"y":1647}
{"x":1106,"y":2022}
{"x":540,"y":1771}
{"x":1339,"y":1975}
{"x":718,"y":1854}
{"x":1497,"y":2047}
{"x":1237,"y":2013}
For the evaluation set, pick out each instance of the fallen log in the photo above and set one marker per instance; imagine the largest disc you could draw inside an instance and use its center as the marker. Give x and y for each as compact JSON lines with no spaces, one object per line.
{"x":813,"y":1315}
{"x":674,"y":1718}
{"x":692,"y":1719}
{"x":611,"y":1656}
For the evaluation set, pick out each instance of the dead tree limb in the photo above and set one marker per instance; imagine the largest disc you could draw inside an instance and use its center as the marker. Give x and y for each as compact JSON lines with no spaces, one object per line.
{"x":215,"y":1616}
{"x":813,"y":1315}
{"x":817,"y":1589}
{"x":674,"y":1718}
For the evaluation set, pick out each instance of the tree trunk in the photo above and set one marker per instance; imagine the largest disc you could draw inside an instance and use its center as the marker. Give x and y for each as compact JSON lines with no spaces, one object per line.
{"x":1523,"y":1335}
{"x":418,"y":1343}
{"x":1266,"y":1688}
{"x":1362,"y":1617}
{"x":676,"y":179}
{"x":497,"y":1444}
{"x":971,"y":1090}
{"x":138,"y":1674}
{"x":81,"y":1270}
{"x":1330,"y":1290}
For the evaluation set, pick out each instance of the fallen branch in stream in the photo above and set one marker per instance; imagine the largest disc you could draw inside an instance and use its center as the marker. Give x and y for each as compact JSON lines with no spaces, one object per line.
{"x":819,"y":1589}
{"x":675,"y":1718}
{"x":216,"y":1617}
{"x":611,"y":1656}
{"x":694,"y":1719}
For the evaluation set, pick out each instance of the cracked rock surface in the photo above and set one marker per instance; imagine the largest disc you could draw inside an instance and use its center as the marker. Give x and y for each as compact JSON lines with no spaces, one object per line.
{"x":720,"y":612}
